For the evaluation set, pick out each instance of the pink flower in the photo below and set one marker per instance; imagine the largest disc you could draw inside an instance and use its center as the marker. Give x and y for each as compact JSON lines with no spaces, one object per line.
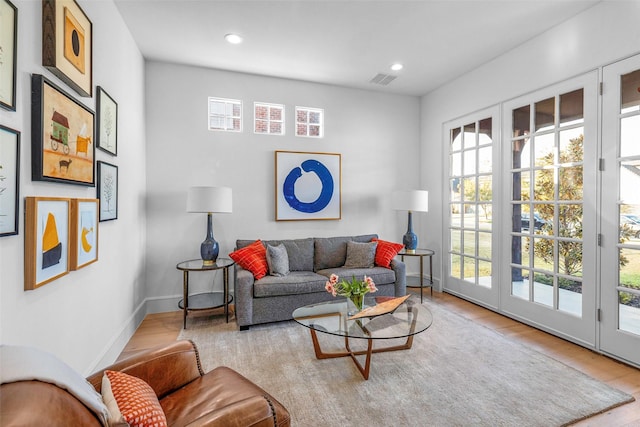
{"x":330,"y":288}
{"x":370,"y":284}
{"x":333,"y":279}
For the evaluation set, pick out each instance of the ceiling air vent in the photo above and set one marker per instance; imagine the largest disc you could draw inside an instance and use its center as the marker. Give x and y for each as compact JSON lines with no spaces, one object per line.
{"x":382,"y":79}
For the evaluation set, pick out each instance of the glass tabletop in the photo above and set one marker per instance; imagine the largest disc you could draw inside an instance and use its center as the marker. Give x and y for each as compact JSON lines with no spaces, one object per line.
{"x":332,"y":317}
{"x":198,"y":264}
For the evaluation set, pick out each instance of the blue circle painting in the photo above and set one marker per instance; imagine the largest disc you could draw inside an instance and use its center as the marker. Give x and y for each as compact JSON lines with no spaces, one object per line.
{"x":288,"y":189}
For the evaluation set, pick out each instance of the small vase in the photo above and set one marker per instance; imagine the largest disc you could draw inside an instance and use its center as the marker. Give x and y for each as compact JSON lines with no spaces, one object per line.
{"x":358,"y":301}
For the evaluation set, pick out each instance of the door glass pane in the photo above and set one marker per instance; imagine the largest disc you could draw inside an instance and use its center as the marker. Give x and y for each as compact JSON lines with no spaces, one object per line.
{"x":484,"y":159}
{"x":469,"y":189}
{"x":544,"y":150}
{"x":629,"y":224}
{"x":455,"y":215}
{"x":630,"y":136}
{"x":570,"y":221}
{"x":543,"y":289}
{"x":456,"y":272}
{"x":520,"y":282}
{"x":520,"y":153}
{"x":543,"y":217}
{"x":543,"y":254}
{"x":570,"y":296}
{"x":630,"y":92}
{"x":570,"y":183}
{"x":469,"y":162}
{"x":572,"y":107}
{"x":571,"y":150}
{"x":570,"y":258}
{"x":484,"y":273}
{"x":630,"y":181}
{"x":545,"y":114}
{"x":456,"y":164}
{"x":521,"y":120}
{"x":469,"y":269}
{"x":484,"y":129}
{"x":455,"y":240}
{"x":545,"y":184}
{"x":456,"y":139}
{"x":470,"y":135}
{"x":469,"y":241}
{"x":629,"y":290}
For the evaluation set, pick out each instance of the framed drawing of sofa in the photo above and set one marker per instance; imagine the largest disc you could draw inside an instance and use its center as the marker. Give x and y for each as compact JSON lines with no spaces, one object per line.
{"x":308,"y":186}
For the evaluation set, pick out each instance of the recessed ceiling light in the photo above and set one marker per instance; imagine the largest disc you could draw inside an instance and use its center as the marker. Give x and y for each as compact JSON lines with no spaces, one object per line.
{"x":233,"y":38}
{"x":397,"y":67}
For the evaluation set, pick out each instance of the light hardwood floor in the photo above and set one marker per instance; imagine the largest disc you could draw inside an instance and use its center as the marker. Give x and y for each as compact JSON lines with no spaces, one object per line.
{"x":164,"y":327}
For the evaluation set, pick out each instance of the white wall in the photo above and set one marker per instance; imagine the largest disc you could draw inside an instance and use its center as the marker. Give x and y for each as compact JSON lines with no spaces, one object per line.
{"x":376,"y":134}
{"x":86,"y":316}
{"x":601,"y":35}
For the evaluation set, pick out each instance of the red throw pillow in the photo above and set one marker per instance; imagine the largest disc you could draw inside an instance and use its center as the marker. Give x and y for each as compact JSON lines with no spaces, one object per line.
{"x":386,"y":251}
{"x":253,"y":258}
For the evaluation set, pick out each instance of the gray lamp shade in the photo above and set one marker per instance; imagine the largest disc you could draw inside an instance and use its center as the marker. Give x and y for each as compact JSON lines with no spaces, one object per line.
{"x":210,"y":199}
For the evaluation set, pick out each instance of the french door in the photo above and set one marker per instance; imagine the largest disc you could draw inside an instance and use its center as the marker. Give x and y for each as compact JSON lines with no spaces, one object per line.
{"x":549,"y":185}
{"x":620,"y":293}
{"x":472,"y":248}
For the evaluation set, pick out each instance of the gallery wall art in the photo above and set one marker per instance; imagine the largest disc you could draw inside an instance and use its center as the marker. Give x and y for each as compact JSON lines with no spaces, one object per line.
{"x":46,"y":241}
{"x":8,"y":54}
{"x":9,"y":181}
{"x":83,"y":241}
{"x":67,"y":44}
{"x":308,"y":186}
{"x":107,"y":135}
{"x":62,"y":144}
{"x":108,"y":191}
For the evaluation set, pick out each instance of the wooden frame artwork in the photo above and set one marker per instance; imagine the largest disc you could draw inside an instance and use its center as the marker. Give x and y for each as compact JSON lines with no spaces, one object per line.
{"x":107,"y":135}
{"x":8,"y":54}
{"x":308,"y":186}
{"x":9,"y":181}
{"x":108,"y":191}
{"x":62,"y":148}
{"x":67,"y":44}
{"x":83,"y":239}
{"x":46,"y":241}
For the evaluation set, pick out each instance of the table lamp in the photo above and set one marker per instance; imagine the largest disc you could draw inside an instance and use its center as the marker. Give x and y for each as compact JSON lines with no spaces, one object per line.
{"x":209,"y":200}
{"x":411,"y":201}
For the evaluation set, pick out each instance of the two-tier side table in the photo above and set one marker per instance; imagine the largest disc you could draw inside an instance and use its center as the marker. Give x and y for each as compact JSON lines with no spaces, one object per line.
{"x":207,"y":300}
{"x":418,"y":282}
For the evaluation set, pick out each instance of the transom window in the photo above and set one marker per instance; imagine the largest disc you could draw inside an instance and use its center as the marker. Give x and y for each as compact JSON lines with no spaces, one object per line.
{"x":309,"y":122}
{"x":268,"y":118}
{"x":225,"y":114}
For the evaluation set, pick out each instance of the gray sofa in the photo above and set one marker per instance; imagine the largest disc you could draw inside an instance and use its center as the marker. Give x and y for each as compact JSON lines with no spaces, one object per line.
{"x":311,"y":262}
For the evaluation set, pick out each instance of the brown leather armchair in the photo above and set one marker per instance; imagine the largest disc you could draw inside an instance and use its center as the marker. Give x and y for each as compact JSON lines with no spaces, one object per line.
{"x":188,"y":396}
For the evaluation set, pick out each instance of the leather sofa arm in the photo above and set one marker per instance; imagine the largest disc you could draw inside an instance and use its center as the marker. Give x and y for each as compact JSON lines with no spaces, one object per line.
{"x":165,"y":368}
{"x":255,"y":411}
{"x":400,"y":270}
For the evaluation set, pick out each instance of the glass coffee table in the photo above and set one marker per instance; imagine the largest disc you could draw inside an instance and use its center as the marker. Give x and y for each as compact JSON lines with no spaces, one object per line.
{"x":333,"y":317}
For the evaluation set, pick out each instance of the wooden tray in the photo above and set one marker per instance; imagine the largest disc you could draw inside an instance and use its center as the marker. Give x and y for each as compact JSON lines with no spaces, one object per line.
{"x":385,"y":307}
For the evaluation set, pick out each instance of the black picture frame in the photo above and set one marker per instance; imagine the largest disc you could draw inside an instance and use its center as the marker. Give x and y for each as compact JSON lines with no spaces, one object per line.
{"x":8,"y":54}
{"x":107,"y":109}
{"x":9,"y":181}
{"x":107,"y":191}
{"x":62,"y":140}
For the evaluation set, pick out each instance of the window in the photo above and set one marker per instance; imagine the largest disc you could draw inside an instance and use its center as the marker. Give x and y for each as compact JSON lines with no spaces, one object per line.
{"x":225,"y":114}
{"x":309,"y":122}
{"x":268,"y":118}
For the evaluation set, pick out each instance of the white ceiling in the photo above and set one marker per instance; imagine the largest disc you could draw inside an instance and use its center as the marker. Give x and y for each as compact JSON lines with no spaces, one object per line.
{"x":344,"y":43}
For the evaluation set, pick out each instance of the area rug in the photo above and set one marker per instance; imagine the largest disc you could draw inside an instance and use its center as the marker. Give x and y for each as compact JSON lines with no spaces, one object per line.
{"x":457,"y":373}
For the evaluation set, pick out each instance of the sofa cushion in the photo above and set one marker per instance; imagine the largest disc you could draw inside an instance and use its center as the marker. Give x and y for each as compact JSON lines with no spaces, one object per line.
{"x":131,"y":400}
{"x":295,"y":283}
{"x":278,"y":260}
{"x":386,"y":251}
{"x":360,"y":255}
{"x":380,"y":275}
{"x":300,"y":251}
{"x":252,"y":257}
{"x":331,"y":252}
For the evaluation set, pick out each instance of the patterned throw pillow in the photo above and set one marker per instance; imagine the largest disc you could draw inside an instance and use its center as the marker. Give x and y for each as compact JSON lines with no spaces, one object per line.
{"x":253,"y":258}
{"x":360,"y":255}
{"x":278,"y":260}
{"x":131,"y":400}
{"x":386,"y":251}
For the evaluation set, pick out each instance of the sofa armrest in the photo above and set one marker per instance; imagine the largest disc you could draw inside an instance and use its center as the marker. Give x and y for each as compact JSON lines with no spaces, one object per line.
{"x":243,"y":295}
{"x":165,"y":368}
{"x":400,"y":269}
{"x":254,"y":411}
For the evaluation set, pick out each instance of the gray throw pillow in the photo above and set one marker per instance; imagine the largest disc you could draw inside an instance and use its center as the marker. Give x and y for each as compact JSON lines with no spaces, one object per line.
{"x":278,"y":260}
{"x":360,"y":255}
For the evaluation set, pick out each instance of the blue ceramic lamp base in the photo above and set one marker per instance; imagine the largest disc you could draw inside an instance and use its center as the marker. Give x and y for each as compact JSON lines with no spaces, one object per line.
{"x":209,"y":248}
{"x":410,"y":239}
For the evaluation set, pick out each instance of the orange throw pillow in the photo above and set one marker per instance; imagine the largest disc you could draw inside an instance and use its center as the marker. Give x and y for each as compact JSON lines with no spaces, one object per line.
{"x":253,"y":258}
{"x":131,"y":400}
{"x":386,"y":251}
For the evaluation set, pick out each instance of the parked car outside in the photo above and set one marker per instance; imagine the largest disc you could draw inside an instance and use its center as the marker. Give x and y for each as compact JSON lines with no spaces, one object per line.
{"x":633,"y":222}
{"x":538,"y":222}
